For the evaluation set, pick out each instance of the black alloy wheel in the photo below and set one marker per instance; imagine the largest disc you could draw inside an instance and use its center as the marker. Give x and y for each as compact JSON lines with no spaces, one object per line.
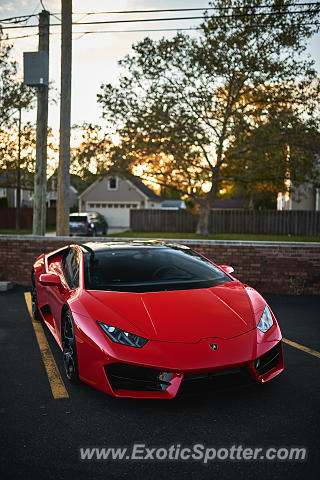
{"x":70,"y":359}
{"x":34,"y":298}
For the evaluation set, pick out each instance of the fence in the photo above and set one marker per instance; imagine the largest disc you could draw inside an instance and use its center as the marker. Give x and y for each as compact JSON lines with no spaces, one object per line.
{"x":295,"y":222}
{"x":8,"y":218}
{"x":273,"y":222}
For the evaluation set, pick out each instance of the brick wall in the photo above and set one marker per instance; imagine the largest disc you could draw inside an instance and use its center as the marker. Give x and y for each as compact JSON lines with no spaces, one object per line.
{"x":292,"y":268}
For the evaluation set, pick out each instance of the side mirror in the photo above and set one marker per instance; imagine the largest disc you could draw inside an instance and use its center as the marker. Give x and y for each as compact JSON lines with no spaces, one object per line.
{"x":226,"y":268}
{"x":49,"y":279}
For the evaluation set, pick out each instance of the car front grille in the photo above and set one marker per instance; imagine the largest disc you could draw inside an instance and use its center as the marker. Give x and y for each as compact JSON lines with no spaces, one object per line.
{"x":268,"y":361}
{"x":214,"y":381}
{"x":122,"y":376}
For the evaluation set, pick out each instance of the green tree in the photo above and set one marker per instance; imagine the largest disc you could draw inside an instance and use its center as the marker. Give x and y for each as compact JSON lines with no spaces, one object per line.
{"x":18,"y":156}
{"x":13,"y":94}
{"x":91,"y":156}
{"x":14,"y":98}
{"x":278,"y":153}
{"x":181,"y":102}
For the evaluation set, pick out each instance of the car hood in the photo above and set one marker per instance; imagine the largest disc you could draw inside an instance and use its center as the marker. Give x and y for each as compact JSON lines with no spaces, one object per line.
{"x":182,"y":315}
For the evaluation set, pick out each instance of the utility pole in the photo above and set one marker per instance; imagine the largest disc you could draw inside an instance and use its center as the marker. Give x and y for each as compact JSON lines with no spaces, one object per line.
{"x":65,"y":114}
{"x":18,"y":186}
{"x":40,"y":178}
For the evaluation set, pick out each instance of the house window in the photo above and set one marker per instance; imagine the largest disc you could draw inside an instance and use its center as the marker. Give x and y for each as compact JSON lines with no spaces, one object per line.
{"x":113,"y":183}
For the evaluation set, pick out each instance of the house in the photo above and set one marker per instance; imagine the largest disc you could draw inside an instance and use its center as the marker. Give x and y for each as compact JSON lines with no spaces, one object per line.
{"x":306,"y":198}
{"x":114,"y":197}
{"x":173,"y":204}
{"x":52,"y":190}
{"x":8,"y":189}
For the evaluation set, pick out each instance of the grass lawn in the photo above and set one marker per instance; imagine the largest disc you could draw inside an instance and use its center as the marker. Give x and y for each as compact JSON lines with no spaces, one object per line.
{"x":22,"y":232}
{"x":15,"y":232}
{"x":218,"y":236}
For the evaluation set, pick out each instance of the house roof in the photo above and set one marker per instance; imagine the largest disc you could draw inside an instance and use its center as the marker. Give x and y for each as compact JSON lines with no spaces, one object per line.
{"x":137,"y":182}
{"x":75,"y":181}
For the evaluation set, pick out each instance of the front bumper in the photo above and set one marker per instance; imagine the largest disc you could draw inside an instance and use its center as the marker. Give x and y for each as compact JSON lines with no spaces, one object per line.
{"x":160,"y":369}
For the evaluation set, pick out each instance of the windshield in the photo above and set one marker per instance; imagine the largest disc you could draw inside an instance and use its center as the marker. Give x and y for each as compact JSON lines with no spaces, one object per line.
{"x":78,"y":218}
{"x":145,"y":269}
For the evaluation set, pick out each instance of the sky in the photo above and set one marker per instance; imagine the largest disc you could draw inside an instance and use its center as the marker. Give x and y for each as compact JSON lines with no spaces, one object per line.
{"x":95,"y":57}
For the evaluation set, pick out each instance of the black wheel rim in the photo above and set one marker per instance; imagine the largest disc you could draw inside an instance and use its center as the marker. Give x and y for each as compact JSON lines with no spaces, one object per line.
{"x":69,"y":355}
{"x":34,"y":299}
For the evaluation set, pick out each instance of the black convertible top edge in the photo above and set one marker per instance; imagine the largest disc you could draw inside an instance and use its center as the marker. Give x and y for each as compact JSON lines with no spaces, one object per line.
{"x":131,"y":243}
{"x":89,"y":249}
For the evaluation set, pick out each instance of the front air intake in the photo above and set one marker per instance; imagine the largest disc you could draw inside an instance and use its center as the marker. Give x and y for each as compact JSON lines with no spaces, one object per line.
{"x":122,"y":376}
{"x":268,"y":361}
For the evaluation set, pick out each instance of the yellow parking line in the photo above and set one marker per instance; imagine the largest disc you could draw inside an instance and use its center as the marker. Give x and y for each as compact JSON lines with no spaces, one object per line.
{"x":56,"y":383}
{"x":301,"y":347}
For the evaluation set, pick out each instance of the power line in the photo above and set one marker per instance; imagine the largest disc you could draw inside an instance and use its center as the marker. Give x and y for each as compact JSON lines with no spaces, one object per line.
{"x":177,"y":29}
{"x":17,"y":19}
{"x":138,"y":20}
{"x":244,"y":7}
{"x":82,"y":34}
{"x":112,"y":31}
{"x":240,"y":15}
{"x":26,"y":36}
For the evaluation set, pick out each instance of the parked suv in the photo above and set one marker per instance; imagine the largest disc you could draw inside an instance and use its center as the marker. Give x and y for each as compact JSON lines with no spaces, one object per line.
{"x":87,"y":224}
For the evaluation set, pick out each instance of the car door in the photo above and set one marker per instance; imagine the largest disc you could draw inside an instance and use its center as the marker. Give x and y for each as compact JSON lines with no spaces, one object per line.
{"x":58,"y":296}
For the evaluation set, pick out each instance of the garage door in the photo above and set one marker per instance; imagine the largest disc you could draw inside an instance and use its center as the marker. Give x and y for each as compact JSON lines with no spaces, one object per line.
{"x":117,"y":214}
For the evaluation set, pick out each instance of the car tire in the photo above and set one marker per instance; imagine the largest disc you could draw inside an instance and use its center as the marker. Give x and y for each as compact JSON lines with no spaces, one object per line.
{"x":34,"y":298}
{"x":69,"y":348}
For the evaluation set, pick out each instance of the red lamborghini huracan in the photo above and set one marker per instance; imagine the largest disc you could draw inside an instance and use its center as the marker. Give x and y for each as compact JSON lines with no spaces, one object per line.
{"x":143,"y":318}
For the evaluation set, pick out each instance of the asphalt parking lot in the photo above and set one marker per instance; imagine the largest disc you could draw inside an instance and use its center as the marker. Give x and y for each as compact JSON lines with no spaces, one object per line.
{"x":41,"y":436}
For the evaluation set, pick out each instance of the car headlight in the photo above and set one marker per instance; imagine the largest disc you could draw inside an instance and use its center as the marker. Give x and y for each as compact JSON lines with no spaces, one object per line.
{"x":266,"y":321}
{"x":124,"y":338}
